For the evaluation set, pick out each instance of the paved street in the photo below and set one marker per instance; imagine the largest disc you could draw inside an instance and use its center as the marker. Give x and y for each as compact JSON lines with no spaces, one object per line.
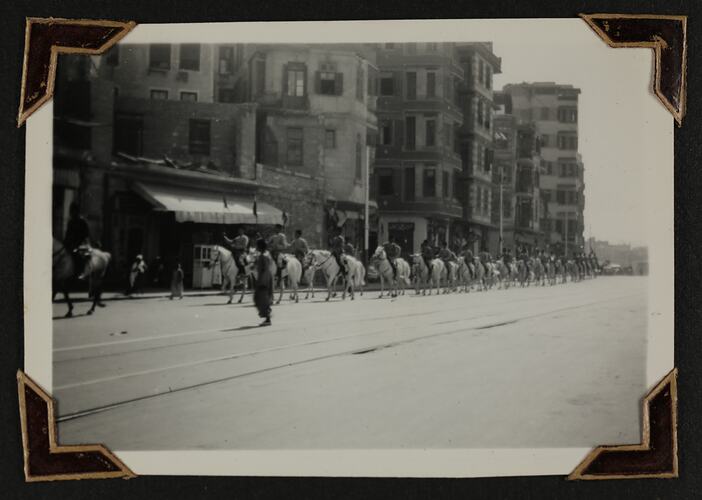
{"x":538,"y":367}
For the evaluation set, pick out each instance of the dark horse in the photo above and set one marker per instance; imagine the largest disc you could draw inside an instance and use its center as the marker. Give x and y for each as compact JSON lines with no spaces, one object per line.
{"x":63,"y":271}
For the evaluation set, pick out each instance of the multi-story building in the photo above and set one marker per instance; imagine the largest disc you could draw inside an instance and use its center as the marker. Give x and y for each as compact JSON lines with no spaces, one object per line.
{"x":417,"y":163}
{"x":167,"y":146}
{"x":475,"y":144}
{"x":553,"y":108}
{"x":516,"y":179}
{"x":316,"y":119}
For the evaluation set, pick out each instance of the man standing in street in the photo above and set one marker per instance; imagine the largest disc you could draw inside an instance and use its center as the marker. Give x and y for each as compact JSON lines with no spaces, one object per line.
{"x":239,"y":245}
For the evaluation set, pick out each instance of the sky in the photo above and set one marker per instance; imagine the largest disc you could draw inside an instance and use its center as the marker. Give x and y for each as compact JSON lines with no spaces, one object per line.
{"x":615,"y":87}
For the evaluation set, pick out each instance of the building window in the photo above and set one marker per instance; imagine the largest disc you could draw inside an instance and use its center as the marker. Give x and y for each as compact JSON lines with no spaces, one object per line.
{"x":387,"y":84}
{"x":548,"y":167}
{"x":386,"y":133}
{"x":409,"y":184}
{"x":226,"y":60}
{"x":359,"y":157}
{"x":567,"y":115}
{"x":429,"y":182}
{"x":227,"y":95}
{"x":411,"y":48}
{"x":360,"y":81}
{"x":506,"y":207}
{"x":445,"y":185}
{"x":567,"y":141}
{"x":544,"y":140}
{"x":478,"y":199}
{"x":545,"y":114}
{"x":431,"y":84}
{"x":260,"y":77}
{"x":488,"y":117}
{"x":190,"y":56}
{"x":199,"y":137}
{"x":481,"y":71}
{"x":430,"y":133}
{"x":330,"y":139}
{"x":410,"y":133}
{"x":112,"y":58}
{"x":160,"y":56}
{"x":188,"y":96}
{"x":432,"y":47}
{"x":128,"y":134}
{"x":488,"y":77}
{"x":486,"y":201}
{"x":386,"y":185}
{"x":546,"y":195}
{"x":329,"y":84}
{"x":411,"y":78}
{"x":159,"y":94}
{"x":389,"y":45}
{"x":487,"y":161}
{"x":480,"y":112}
{"x":295,"y":80}
{"x":448,"y":136}
{"x":294,"y":146}
{"x":569,"y":169}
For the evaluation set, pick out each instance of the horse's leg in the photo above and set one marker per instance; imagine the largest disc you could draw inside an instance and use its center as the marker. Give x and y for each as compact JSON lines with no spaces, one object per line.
{"x":68,"y":301}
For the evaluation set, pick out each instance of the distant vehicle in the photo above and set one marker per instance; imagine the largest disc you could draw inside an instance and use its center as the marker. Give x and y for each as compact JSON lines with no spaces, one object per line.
{"x":611,"y":269}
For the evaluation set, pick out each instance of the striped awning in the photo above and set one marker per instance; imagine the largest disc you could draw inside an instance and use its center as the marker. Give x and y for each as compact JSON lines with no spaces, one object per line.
{"x":208,"y":207}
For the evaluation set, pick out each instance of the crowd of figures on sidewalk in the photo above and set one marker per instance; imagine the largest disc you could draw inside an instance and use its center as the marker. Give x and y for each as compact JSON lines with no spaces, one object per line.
{"x":267,"y":263}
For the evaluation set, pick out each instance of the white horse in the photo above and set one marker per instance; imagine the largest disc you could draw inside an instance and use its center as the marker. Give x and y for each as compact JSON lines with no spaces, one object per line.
{"x":231,"y":274}
{"x":324,"y":261}
{"x":423,"y":276}
{"x":292,"y":270}
{"x":451,"y":276}
{"x":308,"y":276}
{"x":380,"y":262}
{"x":464,"y":274}
{"x":356,"y":274}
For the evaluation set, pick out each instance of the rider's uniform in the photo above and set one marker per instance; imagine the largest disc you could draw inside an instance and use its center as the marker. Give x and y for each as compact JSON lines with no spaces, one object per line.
{"x":239,"y":246}
{"x":337,"y":250}
{"x":392,"y":251}
{"x":427,"y":254}
{"x":299,"y":248}
{"x":447,"y":255}
{"x":278,"y":243}
{"x":468,"y":256}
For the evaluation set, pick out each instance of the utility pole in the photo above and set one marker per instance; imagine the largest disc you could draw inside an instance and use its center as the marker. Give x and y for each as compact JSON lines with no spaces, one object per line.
{"x":566,"y":233}
{"x":502,"y":178}
{"x":366,"y":207}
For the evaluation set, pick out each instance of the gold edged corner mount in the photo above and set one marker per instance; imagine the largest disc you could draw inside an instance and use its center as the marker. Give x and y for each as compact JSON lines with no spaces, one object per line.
{"x":44,"y":458}
{"x":666,"y":35}
{"x":45,"y":39}
{"x":657,"y":454}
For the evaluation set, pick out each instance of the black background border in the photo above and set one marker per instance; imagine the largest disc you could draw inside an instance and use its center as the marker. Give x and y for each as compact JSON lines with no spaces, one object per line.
{"x":688,"y":255}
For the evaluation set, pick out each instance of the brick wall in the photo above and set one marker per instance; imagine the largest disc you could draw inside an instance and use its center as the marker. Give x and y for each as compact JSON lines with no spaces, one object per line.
{"x":301,"y":197}
{"x":166,"y":132}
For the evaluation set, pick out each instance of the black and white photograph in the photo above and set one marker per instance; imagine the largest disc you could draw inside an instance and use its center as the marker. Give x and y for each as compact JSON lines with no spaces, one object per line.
{"x":356,"y":236}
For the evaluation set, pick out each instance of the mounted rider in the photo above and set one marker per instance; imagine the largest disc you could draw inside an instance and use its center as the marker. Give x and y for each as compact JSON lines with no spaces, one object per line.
{"x":427,"y":253}
{"x":300,"y":248}
{"x":446,"y":254}
{"x":77,"y":236}
{"x":524,"y":257}
{"x":337,"y":249}
{"x":276,"y":244}
{"x":507,"y":259}
{"x":239,"y":245}
{"x":392,"y":252}
{"x":467,"y":255}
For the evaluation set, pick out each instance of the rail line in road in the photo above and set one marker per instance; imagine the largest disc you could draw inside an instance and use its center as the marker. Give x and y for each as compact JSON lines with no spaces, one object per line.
{"x":388,"y":343}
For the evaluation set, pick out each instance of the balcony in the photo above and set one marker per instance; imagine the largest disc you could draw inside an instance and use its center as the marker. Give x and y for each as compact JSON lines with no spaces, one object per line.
{"x":422,"y":206}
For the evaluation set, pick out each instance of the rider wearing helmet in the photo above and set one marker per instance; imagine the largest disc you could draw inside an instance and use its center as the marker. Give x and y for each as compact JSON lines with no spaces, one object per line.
{"x":277,"y":244}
